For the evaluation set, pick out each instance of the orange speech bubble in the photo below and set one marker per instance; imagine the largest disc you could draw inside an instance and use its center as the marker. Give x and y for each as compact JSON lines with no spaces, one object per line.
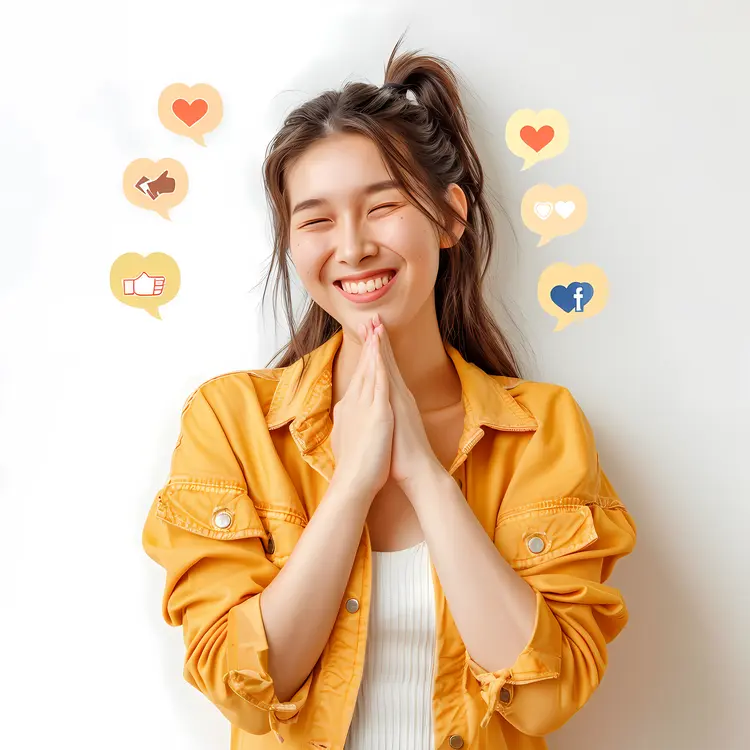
{"x":552,"y":212}
{"x":191,"y":111}
{"x":155,"y":185}
{"x":145,"y":282}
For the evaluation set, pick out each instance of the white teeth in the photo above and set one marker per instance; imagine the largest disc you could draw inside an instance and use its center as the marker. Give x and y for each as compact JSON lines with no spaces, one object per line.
{"x":370,"y":285}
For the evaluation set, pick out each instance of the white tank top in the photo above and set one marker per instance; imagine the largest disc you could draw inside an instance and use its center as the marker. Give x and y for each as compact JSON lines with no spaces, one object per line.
{"x":394,"y":703}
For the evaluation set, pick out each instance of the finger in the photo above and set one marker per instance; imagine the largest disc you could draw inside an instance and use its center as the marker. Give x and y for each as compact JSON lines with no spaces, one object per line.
{"x":360,"y":370}
{"x":368,"y":381}
{"x":382,"y":379}
{"x":385,"y":348}
{"x":390,"y":355}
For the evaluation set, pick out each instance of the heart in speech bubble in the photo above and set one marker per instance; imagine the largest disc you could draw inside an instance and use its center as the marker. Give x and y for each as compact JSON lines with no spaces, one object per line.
{"x":537,"y":139}
{"x":190,"y":113}
{"x":543,"y":210}
{"x":565,"y":208}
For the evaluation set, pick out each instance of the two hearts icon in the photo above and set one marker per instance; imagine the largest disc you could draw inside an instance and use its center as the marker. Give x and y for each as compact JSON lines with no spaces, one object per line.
{"x":544,"y":209}
{"x":191,"y":112}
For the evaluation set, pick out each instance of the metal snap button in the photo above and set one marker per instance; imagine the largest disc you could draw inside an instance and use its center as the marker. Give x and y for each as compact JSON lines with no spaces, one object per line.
{"x":535,"y":544}
{"x":352,"y":605}
{"x":222,"y":519}
{"x":456,"y":740}
{"x":504,"y":695}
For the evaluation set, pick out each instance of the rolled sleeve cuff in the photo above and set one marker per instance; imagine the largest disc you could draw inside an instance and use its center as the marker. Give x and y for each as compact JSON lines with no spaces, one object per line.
{"x":540,"y":660}
{"x":247,"y":666}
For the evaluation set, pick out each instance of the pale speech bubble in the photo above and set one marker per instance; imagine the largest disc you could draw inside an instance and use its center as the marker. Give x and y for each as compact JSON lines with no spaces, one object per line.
{"x":155,"y":185}
{"x":191,"y":111}
{"x":552,"y":212}
{"x":572,"y":293}
{"x":535,"y":136}
{"x":146,"y":282}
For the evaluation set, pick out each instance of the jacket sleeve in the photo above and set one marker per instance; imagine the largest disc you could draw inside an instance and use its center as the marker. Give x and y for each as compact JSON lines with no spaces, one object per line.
{"x":562,"y":528}
{"x":204,"y":530}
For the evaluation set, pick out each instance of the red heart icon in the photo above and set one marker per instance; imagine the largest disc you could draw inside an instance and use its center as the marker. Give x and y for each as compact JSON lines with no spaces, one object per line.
{"x":537,"y":139}
{"x":190,"y":113}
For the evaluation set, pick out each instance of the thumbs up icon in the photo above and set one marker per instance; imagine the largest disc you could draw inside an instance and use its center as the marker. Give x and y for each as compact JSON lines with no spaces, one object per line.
{"x":144,"y":285}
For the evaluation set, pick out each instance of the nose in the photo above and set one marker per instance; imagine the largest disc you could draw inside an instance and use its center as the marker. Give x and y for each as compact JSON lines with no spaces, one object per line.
{"x":353,"y":244}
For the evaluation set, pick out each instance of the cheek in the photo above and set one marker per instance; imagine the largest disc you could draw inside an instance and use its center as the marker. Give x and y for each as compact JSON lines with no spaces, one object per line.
{"x":308,"y":263}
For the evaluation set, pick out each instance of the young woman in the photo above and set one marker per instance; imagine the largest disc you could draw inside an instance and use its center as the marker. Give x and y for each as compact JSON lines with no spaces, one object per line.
{"x":390,"y":540}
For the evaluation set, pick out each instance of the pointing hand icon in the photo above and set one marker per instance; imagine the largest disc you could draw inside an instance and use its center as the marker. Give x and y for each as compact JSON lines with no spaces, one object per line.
{"x":144,"y":285}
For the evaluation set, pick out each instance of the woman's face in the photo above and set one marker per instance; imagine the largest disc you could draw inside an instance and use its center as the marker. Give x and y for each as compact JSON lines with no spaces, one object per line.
{"x":351,"y":230}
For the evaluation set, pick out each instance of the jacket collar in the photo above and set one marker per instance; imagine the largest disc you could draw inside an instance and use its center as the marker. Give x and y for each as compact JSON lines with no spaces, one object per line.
{"x":486,"y":400}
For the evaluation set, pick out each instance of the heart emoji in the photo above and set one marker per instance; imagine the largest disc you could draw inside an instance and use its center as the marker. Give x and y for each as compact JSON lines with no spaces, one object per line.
{"x":565,"y":208}
{"x":543,"y":210}
{"x":537,"y":139}
{"x":190,"y":113}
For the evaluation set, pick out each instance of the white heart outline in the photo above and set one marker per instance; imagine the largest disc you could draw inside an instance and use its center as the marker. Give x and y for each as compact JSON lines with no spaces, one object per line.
{"x":543,"y":204}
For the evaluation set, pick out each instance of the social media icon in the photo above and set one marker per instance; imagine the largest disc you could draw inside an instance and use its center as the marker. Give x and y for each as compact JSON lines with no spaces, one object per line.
{"x":573,"y":297}
{"x":572,"y":294}
{"x":191,"y":111}
{"x":551,"y":212}
{"x":155,"y":185}
{"x":154,"y":188}
{"x":535,"y":136}
{"x":144,"y":285}
{"x":147,"y":282}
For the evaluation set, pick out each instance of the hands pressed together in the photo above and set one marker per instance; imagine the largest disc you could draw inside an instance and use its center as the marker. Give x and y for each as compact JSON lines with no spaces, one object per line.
{"x":378,"y":432}
{"x":411,"y":452}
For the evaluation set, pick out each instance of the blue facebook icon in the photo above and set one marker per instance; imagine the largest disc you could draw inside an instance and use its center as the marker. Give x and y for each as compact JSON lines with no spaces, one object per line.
{"x":574,"y":297}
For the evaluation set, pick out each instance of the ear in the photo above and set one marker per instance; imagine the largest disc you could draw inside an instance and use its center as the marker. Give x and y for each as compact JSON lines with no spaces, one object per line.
{"x":457,"y":198}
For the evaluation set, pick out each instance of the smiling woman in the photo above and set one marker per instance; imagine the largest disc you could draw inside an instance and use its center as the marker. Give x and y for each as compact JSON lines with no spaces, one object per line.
{"x":389,"y":539}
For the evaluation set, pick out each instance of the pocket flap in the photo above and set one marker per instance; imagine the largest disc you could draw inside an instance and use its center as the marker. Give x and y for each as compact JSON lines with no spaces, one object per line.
{"x":217,"y":510}
{"x":532,"y":536}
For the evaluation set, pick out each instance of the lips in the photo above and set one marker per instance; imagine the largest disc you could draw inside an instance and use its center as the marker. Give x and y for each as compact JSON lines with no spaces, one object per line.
{"x":367,"y":296}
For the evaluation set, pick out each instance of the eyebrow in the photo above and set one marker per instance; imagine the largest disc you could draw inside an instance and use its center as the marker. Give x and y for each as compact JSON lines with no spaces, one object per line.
{"x":376,"y":187}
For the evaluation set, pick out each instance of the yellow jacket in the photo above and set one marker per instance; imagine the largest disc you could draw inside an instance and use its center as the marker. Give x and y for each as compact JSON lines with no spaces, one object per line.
{"x":252,"y":462}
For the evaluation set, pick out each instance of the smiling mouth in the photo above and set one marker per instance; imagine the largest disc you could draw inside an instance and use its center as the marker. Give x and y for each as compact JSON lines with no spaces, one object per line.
{"x":367,"y":296}
{"x":340,"y":285}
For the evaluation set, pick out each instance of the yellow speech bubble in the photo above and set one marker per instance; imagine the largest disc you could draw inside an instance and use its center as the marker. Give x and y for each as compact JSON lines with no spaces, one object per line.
{"x":191,"y":111}
{"x":535,"y":136}
{"x":552,"y":212}
{"x":146,"y":282}
{"x":572,"y":293}
{"x":155,"y":185}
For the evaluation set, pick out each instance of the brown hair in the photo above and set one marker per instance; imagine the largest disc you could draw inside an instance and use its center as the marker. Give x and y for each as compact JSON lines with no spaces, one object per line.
{"x":426,"y":147}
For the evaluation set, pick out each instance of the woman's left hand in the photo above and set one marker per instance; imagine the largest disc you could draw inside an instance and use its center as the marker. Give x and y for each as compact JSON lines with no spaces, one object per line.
{"x":412,"y":453}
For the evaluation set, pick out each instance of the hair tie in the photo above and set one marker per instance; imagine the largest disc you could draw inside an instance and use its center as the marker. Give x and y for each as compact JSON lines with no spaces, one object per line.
{"x":399,"y":87}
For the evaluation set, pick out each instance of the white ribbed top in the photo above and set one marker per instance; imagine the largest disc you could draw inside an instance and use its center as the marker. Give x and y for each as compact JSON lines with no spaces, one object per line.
{"x":394,"y":704}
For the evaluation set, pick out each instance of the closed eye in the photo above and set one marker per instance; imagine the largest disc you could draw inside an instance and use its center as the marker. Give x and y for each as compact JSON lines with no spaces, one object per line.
{"x":317,"y":221}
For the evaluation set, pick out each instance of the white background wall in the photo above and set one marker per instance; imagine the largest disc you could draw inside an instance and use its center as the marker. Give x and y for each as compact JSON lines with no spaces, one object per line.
{"x":656,"y":95}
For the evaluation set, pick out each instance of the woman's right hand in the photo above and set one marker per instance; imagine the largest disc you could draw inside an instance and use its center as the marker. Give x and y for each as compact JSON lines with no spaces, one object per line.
{"x":362,"y":434}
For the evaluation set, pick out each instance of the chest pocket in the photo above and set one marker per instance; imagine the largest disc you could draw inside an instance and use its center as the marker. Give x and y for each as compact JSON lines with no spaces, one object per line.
{"x":214,"y":509}
{"x":222,"y":510}
{"x":538,"y":533}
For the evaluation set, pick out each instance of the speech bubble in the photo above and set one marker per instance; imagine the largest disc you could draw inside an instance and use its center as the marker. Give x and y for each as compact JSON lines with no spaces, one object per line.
{"x":155,"y":185}
{"x":191,"y":111}
{"x":535,"y":136}
{"x":552,"y":212}
{"x":572,"y":293}
{"x":146,"y":282}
